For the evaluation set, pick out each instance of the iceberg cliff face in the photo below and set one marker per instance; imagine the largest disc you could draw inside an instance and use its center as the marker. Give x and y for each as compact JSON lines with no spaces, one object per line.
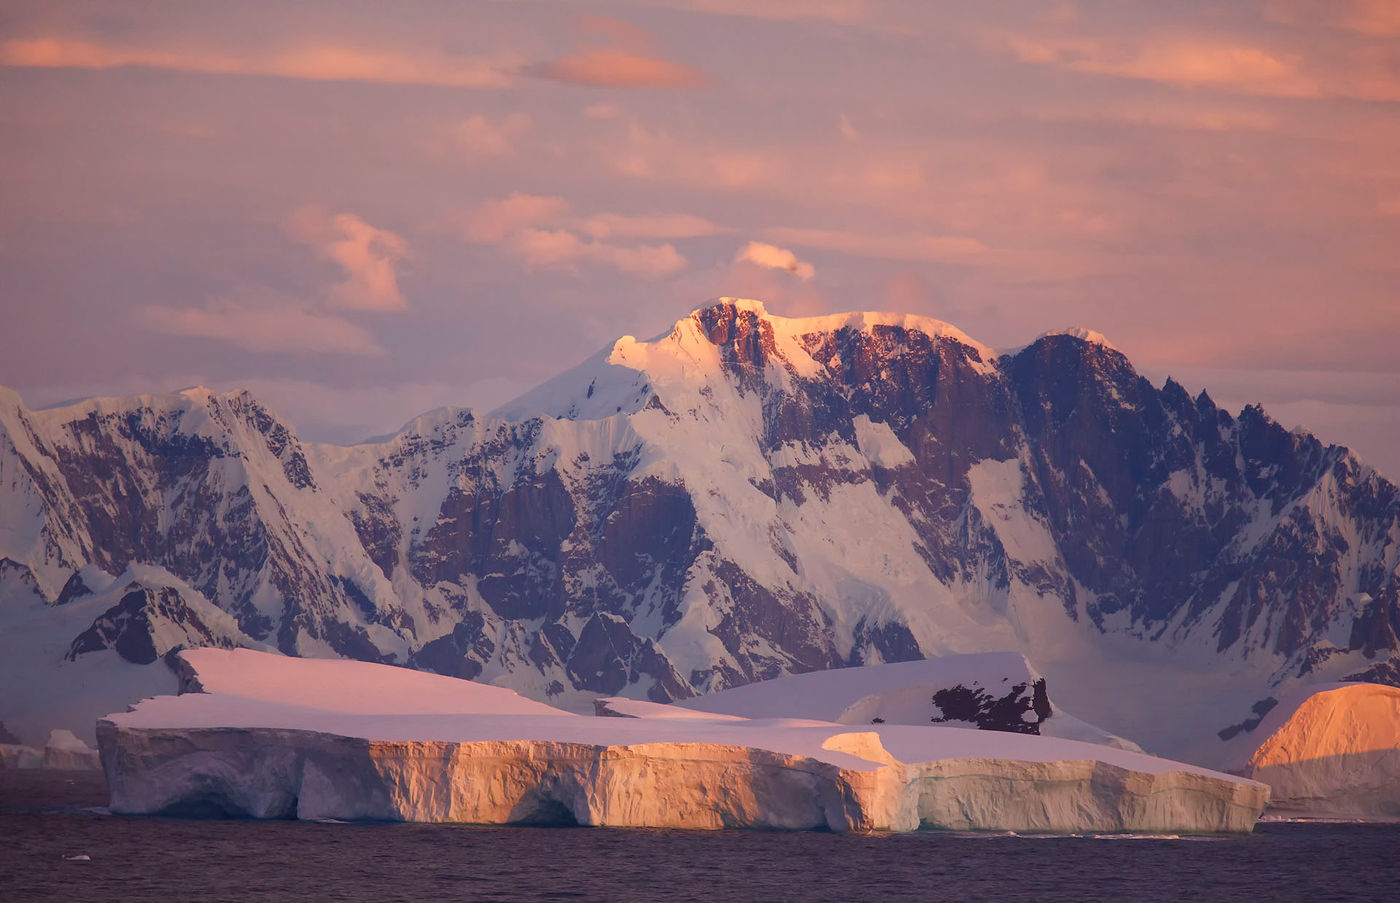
{"x":464,"y":752}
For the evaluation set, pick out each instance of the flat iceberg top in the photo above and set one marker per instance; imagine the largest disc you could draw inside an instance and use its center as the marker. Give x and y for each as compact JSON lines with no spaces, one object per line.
{"x":349,"y":687}
{"x":253,"y":690}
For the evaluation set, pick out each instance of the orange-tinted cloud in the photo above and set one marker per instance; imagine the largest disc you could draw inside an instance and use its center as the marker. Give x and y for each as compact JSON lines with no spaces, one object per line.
{"x":1368,"y":71}
{"x":616,"y":68}
{"x":368,"y":257}
{"x":492,"y":221}
{"x":773,"y":257}
{"x":1212,"y":62}
{"x":263,"y":327}
{"x":312,"y":62}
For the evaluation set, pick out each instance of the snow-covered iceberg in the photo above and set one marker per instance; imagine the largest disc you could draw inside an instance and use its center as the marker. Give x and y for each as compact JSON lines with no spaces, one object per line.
{"x":273,"y":737}
{"x":1333,"y":752}
{"x":988,"y":690}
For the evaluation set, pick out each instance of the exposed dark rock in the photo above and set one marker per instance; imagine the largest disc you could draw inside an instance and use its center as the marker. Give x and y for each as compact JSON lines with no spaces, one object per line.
{"x":130,"y":627}
{"x":74,"y":588}
{"x":993,"y":713}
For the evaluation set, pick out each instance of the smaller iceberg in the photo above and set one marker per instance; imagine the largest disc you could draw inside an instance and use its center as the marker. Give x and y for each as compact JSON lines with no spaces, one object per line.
{"x":1332,"y":751}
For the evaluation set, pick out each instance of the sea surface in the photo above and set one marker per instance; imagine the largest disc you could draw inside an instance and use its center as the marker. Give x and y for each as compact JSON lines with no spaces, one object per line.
{"x":48,"y":817}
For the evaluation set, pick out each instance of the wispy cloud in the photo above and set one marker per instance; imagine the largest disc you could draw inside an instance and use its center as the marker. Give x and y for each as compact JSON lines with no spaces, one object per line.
{"x":1377,"y":18}
{"x":478,"y":136}
{"x":772,"y":257}
{"x":262,"y":319}
{"x":263,"y":327}
{"x":1165,"y":116}
{"x":661,"y":225}
{"x":619,"y":69}
{"x":315,"y":62}
{"x":492,"y":221}
{"x":1212,"y":62}
{"x":1223,"y":63}
{"x":560,"y":247}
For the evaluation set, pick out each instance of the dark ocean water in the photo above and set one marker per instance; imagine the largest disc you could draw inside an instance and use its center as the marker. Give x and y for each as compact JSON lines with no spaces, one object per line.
{"x":42,"y":820}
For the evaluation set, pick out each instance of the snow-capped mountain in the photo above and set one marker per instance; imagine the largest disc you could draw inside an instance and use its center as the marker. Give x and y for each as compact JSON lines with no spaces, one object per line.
{"x":745,"y":496}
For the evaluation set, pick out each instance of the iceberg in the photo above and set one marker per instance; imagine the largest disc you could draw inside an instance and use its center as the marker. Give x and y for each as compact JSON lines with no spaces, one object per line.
{"x":266,"y":736}
{"x":62,"y":751}
{"x":1333,"y":752}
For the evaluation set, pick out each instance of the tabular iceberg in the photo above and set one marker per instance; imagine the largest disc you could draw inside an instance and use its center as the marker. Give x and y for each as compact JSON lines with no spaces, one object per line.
{"x":273,"y":737}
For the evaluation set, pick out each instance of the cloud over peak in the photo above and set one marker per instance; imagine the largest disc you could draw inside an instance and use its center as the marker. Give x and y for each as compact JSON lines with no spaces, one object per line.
{"x":773,"y":257}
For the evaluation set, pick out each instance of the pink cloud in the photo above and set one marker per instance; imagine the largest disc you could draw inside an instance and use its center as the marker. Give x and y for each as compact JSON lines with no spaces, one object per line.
{"x":544,"y":232}
{"x":662,"y":225}
{"x":1210,"y":62}
{"x":1377,"y":18}
{"x":1312,"y":69}
{"x":310,"y":62}
{"x":492,"y":221}
{"x":557,"y":247}
{"x":367,"y":256}
{"x":478,"y":136}
{"x":616,"y":68}
{"x":1166,"y":116}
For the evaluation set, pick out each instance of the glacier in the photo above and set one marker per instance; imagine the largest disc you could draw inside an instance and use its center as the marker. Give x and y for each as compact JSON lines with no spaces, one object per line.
{"x":266,"y":736}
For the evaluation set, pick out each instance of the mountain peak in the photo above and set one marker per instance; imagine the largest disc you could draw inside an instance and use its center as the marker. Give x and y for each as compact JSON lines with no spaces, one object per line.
{"x":1084,"y":335}
{"x":857,"y":321}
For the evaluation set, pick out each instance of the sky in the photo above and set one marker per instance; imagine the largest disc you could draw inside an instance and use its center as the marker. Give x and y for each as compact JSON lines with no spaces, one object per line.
{"x":361,"y":211}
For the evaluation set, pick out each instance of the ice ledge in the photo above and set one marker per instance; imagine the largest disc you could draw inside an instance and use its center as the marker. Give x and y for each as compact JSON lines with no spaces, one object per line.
{"x":271,"y":773}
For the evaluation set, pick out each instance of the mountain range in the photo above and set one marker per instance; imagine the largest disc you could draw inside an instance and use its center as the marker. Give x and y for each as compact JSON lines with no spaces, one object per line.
{"x":745,"y":496}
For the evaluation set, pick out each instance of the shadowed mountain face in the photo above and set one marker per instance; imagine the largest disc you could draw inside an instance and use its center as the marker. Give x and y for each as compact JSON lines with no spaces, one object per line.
{"x":745,"y":496}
